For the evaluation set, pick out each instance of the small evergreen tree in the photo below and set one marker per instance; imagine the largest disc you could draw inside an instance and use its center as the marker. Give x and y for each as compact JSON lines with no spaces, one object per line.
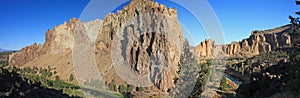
{"x":190,"y":73}
{"x":139,"y":89}
{"x":122,"y":89}
{"x":129,"y":88}
{"x":71,"y":77}
{"x":112,"y":86}
{"x":56,"y":83}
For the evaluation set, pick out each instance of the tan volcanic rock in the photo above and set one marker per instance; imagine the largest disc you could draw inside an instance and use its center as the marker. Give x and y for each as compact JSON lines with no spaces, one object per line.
{"x":145,"y":37}
{"x":245,"y":45}
{"x":57,"y":49}
{"x":26,"y":54}
{"x":145,"y":34}
{"x":148,"y":37}
{"x":233,"y":48}
{"x":258,"y":42}
{"x":204,"y":49}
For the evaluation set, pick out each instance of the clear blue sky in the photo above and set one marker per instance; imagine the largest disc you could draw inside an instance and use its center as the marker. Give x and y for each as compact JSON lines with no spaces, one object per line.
{"x":24,"y":22}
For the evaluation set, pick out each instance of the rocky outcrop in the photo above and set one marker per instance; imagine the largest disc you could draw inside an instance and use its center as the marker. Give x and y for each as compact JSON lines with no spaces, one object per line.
{"x":142,"y":42}
{"x":277,"y":81}
{"x":233,"y":48}
{"x":57,"y":49}
{"x":258,"y":42}
{"x":145,"y":37}
{"x":268,"y":40}
{"x":204,"y":49}
{"x":26,"y":54}
{"x":139,"y":45}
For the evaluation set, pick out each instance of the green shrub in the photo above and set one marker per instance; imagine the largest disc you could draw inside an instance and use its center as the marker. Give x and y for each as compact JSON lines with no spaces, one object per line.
{"x":139,"y":89}
{"x":129,"y":88}
{"x":122,"y":89}
{"x":71,"y":77}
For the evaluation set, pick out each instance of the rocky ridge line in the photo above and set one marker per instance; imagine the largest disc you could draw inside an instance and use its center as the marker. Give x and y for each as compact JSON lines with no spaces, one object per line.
{"x":258,"y":42}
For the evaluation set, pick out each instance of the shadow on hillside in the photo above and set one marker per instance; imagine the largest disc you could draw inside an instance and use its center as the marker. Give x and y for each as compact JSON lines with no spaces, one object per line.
{"x":14,"y":86}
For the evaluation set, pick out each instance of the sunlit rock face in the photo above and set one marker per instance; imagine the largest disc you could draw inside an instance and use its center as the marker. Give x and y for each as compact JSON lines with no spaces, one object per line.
{"x":56,"y":52}
{"x":143,"y":44}
{"x":258,"y":42}
{"x":139,"y":45}
{"x":146,"y":35}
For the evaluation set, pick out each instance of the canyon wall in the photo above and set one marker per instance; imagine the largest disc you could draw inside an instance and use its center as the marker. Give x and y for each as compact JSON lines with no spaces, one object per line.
{"x":258,"y":42}
{"x":57,"y":50}
{"x":139,"y":45}
{"x":144,"y":38}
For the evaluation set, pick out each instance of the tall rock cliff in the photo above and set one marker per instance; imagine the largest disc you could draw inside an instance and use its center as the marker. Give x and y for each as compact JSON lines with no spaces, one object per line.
{"x":57,"y":49}
{"x":204,"y":49}
{"x":141,"y":45}
{"x":258,"y":42}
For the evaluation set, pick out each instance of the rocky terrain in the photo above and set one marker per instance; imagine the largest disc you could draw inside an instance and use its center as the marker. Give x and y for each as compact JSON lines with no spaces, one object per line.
{"x":142,"y":42}
{"x":140,"y":45}
{"x":280,"y":78}
{"x":57,"y":49}
{"x":258,"y":58}
{"x":260,"y":41}
{"x":143,"y":39}
{"x":277,"y":81}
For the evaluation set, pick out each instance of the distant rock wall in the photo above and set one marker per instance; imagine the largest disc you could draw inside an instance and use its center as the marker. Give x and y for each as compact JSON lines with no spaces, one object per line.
{"x":258,"y":42}
{"x":204,"y":49}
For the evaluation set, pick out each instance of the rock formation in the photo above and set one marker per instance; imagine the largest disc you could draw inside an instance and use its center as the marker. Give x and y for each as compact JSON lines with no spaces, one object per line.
{"x":57,"y":49}
{"x":258,"y":42}
{"x":143,"y":39}
{"x":145,"y":35}
{"x":204,"y":49}
{"x":139,"y":44}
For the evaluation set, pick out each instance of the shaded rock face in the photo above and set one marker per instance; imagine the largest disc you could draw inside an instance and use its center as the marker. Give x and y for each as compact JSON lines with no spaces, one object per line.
{"x":272,"y":82}
{"x":13,"y":85}
{"x":258,"y":42}
{"x":233,"y":48}
{"x":142,"y":44}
